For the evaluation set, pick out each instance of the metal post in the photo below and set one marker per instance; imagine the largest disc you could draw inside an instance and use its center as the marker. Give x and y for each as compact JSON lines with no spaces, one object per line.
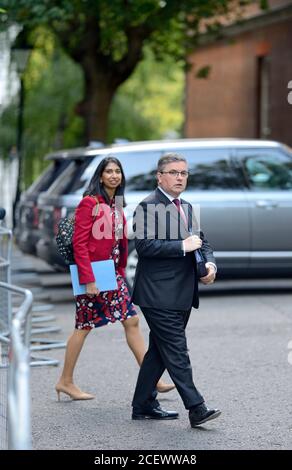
{"x":19,"y":183}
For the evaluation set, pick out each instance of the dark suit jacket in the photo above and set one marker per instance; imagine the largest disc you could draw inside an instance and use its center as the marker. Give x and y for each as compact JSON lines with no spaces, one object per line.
{"x":165,"y":278}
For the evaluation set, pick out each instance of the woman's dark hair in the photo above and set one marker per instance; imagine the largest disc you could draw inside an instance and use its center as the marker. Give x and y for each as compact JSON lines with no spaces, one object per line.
{"x":96,"y":187}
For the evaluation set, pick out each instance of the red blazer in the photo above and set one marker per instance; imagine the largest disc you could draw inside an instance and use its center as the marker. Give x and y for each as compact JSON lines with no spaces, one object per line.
{"x":93,"y":238}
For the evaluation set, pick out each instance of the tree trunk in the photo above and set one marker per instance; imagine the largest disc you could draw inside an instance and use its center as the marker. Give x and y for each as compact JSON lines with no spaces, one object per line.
{"x":103,"y":75}
{"x":99,"y":91}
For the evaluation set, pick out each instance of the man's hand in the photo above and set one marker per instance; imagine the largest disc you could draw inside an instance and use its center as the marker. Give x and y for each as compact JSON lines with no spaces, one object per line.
{"x":192,"y":243}
{"x":210,"y":278}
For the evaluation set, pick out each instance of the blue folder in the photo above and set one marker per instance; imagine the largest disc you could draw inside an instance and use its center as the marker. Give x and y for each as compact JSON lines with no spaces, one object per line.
{"x":104,"y":273}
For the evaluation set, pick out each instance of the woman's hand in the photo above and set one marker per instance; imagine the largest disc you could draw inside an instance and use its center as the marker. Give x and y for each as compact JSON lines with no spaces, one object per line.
{"x":91,"y":289}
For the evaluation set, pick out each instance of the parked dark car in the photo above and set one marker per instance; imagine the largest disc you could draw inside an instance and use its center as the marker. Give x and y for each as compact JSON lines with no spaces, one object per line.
{"x":243,"y":187}
{"x":51,"y":210}
{"x":27,"y":231}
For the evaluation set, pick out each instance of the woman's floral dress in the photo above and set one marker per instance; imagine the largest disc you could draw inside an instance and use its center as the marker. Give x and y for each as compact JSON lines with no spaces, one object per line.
{"x":106,"y":307}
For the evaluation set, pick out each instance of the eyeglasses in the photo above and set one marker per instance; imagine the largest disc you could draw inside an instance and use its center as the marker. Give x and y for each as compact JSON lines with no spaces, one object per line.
{"x":175,"y":174}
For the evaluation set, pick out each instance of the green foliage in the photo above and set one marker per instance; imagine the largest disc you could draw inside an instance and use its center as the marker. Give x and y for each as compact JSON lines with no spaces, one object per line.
{"x":53,"y":85}
{"x":147,"y":106}
{"x":170,"y":26}
{"x":107,"y":38}
{"x":203,"y":72}
{"x":264,"y":4}
{"x":152,"y":99}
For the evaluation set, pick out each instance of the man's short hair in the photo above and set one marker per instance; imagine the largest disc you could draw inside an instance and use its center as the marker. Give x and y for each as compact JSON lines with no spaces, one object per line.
{"x":169,"y":158}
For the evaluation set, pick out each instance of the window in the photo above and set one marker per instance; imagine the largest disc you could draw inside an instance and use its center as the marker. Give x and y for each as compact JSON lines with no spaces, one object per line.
{"x":263,"y":87}
{"x":267,"y":169}
{"x":69,"y":180}
{"x":139,"y":168}
{"x":210,"y":168}
{"x":48,"y":176}
{"x":76,"y":182}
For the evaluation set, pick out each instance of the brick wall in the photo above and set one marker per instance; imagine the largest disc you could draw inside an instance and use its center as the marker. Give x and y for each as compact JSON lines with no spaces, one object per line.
{"x":225,"y":104}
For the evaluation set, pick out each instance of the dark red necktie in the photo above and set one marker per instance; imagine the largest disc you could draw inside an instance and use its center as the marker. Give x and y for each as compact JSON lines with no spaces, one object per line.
{"x":180,"y":210}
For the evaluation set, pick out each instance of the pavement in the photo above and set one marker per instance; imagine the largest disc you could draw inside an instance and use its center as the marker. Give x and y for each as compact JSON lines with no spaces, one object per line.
{"x":238,"y":344}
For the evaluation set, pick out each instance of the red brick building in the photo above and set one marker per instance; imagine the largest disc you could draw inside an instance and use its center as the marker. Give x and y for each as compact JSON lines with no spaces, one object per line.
{"x":245,"y":93}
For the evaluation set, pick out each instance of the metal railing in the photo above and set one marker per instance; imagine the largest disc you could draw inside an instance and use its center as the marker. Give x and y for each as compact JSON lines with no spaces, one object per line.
{"x":5,"y":276}
{"x":5,"y":324}
{"x":15,"y":428}
{"x":16,"y":348}
{"x":18,"y":405}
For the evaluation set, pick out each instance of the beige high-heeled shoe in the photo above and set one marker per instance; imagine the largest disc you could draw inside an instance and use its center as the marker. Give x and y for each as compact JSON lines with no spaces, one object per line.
{"x":75,"y":395}
{"x":162,"y":387}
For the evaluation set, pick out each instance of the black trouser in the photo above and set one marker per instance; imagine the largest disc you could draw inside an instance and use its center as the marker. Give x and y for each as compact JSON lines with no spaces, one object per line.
{"x":167,"y":350}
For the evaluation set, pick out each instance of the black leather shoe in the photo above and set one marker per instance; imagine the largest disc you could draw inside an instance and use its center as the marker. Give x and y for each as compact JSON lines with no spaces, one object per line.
{"x":155,"y":413}
{"x":200,"y":414}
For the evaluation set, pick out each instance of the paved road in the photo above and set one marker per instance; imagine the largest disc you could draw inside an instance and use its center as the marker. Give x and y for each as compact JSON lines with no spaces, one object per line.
{"x":238,"y":344}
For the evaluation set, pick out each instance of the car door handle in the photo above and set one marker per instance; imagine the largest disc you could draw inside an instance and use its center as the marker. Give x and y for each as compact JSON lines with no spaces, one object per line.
{"x":263,"y":204}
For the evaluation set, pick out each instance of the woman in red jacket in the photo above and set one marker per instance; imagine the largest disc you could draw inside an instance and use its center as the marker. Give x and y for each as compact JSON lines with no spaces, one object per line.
{"x":99,"y":234}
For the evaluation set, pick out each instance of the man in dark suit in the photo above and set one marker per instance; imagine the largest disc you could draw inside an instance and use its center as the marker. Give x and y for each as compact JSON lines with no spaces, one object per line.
{"x":166,"y":289}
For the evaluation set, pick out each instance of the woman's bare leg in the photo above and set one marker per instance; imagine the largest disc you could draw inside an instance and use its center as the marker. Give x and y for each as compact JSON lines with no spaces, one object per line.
{"x":66,"y":382}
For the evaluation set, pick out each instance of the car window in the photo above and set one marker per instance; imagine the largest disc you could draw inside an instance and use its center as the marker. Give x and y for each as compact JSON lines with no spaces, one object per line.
{"x":267,"y":169}
{"x":139,"y":168}
{"x":210,"y":168}
{"x":76,"y":182}
{"x":70,"y":178}
{"x":50,"y":174}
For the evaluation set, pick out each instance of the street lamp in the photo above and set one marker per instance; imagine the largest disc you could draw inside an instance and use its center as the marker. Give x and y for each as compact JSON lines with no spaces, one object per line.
{"x":20,"y":52}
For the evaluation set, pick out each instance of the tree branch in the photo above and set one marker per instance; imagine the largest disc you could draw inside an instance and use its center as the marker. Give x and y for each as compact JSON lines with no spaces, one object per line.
{"x":135,"y":40}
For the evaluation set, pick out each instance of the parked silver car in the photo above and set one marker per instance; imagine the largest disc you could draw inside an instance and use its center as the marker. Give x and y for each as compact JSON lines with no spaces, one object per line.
{"x":244,"y":188}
